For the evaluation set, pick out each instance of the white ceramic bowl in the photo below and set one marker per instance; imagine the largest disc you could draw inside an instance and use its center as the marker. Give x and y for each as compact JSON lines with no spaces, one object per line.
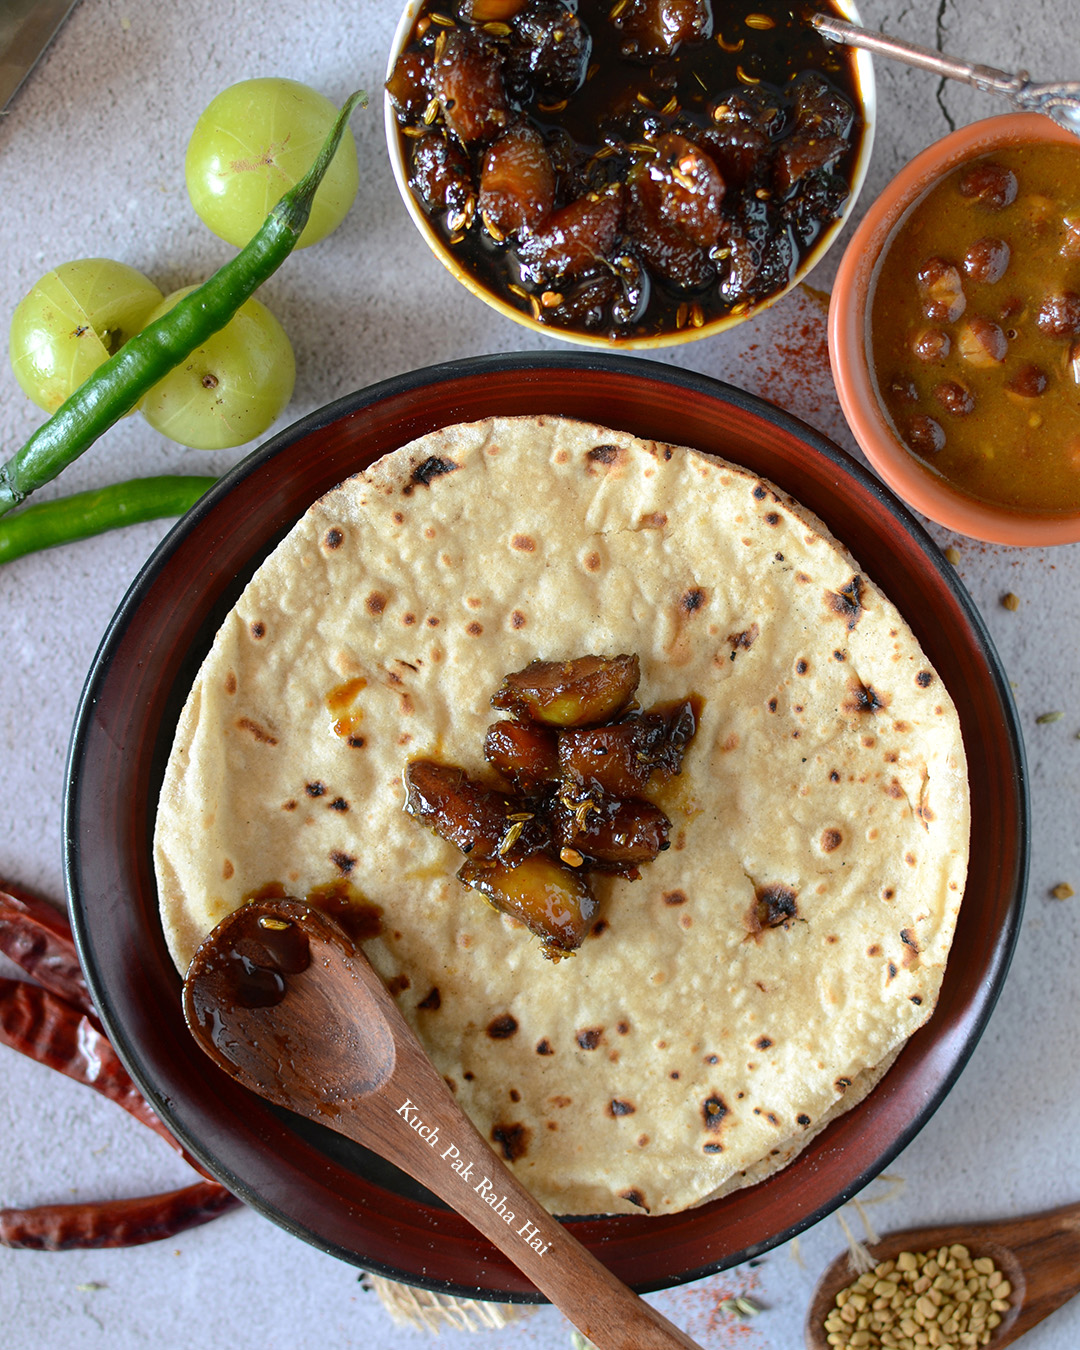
{"x":865,"y":80}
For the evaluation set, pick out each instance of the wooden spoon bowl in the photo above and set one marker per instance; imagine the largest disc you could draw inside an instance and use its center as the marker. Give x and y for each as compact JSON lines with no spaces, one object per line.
{"x":282,"y":1000}
{"x":1039,"y":1255}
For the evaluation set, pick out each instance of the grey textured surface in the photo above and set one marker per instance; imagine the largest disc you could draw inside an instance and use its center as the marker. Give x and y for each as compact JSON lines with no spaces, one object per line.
{"x":91,"y":156}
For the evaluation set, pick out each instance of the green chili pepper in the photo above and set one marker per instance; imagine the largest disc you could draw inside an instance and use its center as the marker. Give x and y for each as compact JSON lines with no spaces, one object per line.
{"x":118,"y":384}
{"x":87,"y":513}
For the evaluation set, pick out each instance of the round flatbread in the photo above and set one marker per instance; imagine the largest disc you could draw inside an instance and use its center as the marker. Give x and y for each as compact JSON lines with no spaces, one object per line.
{"x":764,"y":969}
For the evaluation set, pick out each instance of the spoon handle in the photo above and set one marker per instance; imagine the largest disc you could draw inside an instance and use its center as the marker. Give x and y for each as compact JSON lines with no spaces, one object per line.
{"x":985,"y":78}
{"x":414,"y":1120}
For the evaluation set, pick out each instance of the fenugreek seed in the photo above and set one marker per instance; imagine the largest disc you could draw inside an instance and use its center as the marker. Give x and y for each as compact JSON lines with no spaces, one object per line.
{"x":553,"y":107}
{"x":760,"y":21}
{"x":534,"y":305}
{"x":496,"y":29}
{"x":431,"y":112}
{"x":697,"y":315}
{"x":275,"y":925}
{"x":746,"y":78}
{"x":617,"y":8}
{"x":443,"y":20}
{"x":671,"y":106}
{"x":730,"y":46}
{"x":952,"y":555}
{"x":1043,"y":718}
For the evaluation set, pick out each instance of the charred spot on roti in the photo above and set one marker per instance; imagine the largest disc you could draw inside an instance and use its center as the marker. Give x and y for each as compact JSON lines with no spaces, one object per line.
{"x":290,"y":805}
{"x":775,"y":906}
{"x":893,"y":970}
{"x":343,"y":862}
{"x":227,"y":870}
{"x":803,"y":1120}
{"x":712,"y":1148}
{"x":338,"y":804}
{"x":744,"y":640}
{"x":619,"y":1107}
{"x":432,"y":467}
{"x":674,"y":897}
{"x":772,"y":518}
{"x":653,"y":520}
{"x":916,"y":999}
{"x":863,"y":698}
{"x":333,"y":538}
{"x":622,"y":1028}
{"x":599,"y":928}
{"x":474,"y":629}
{"x":544,"y":1047}
{"x":513,"y":1140}
{"x":842,"y":1084}
{"x":924,"y":679}
{"x":230,"y":682}
{"x":592,"y":562}
{"x":432,"y":1000}
{"x":802,"y":666}
{"x":773,"y":703}
{"x":831,"y":839}
{"x":692,"y":600}
{"x":763,"y":1043}
{"x":590,"y":1037}
{"x":635,"y":1197}
{"x":907,"y":937}
{"x":605,"y":455}
{"x":713,"y":1111}
{"x":517,"y":619}
{"x":839,"y":655}
{"x":523,"y":543}
{"x":375,"y":603}
{"x":501,"y":1028}
{"x":315,"y":789}
{"x":397,"y":984}
{"x":408,"y":620}
{"x":834,"y":776}
{"x":253,"y":728}
{"x":514,"y":1095}
{"x":847,"y":602}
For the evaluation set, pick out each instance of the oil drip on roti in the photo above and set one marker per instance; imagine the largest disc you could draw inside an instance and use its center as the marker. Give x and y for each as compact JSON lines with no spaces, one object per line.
{"x":577,"y":758}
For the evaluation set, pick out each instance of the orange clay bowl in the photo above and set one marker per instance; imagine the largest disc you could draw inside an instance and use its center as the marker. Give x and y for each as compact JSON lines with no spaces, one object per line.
{"x":849,"y":343}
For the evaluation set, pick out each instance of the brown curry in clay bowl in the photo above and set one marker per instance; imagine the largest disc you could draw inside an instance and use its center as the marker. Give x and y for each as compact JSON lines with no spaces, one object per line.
{"x":955,"y":332}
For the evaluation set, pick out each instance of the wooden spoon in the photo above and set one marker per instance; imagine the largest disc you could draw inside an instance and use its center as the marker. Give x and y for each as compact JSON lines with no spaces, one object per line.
{"x":1039,"y":1256}
{"x":280,"y":997}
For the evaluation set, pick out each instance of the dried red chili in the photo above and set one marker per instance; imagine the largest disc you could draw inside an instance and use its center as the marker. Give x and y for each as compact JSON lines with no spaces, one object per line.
{"x":53,"y":1022}
{"x":37,"y":937}
{"x":114,"y":1223}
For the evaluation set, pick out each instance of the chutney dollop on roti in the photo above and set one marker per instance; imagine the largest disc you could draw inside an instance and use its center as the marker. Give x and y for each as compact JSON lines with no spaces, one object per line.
{"x":763,"y":971}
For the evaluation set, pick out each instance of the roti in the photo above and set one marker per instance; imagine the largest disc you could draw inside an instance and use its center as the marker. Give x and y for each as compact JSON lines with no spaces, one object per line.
{"x":760,"y":974}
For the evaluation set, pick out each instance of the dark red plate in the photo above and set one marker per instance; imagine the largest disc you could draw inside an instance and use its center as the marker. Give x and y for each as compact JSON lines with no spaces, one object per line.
{"x":316,"y":1184}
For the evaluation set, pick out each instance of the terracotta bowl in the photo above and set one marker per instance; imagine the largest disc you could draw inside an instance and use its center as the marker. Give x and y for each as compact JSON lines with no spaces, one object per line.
{"x":865,"y":79}
{"x":849,"y":340}
{"x":315,"y":1183}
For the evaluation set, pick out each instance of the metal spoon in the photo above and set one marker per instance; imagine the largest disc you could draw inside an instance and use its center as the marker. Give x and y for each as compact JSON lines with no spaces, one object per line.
{"x":282,"y":1000}
{"x":1061,"y":100}
{"x":1038,"y":1254}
